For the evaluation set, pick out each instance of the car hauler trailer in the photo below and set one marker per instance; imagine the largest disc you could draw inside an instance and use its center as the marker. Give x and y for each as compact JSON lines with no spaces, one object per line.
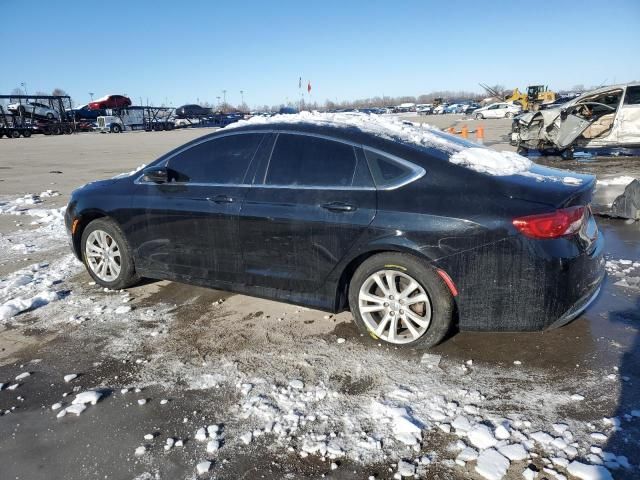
{"x":26,"y":114}
{"x":137,"y":118}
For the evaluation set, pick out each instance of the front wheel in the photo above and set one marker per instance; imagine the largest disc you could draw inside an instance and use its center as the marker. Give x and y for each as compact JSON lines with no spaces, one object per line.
{"x":509,"y":115}
{"x":401,"y":300}
{"x":107,"y":255}
{"x":479,"y":116}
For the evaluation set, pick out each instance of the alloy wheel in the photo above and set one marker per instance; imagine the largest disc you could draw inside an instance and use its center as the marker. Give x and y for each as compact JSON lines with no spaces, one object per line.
{"x":103,"y":255}
{"x":394,"y":306}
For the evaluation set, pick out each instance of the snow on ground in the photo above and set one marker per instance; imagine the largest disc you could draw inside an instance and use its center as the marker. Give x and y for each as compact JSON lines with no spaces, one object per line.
{"x":625,"y":272}
{"x":622,"y":180}
{"x":286,"y":395}
{"x":40,"y":283}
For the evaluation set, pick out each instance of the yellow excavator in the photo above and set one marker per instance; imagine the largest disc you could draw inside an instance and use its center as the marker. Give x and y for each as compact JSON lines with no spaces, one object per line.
{"x":536,"y":95}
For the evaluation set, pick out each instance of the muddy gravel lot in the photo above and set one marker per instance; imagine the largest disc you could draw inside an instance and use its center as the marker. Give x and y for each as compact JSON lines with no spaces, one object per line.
{"x":185,"y":382}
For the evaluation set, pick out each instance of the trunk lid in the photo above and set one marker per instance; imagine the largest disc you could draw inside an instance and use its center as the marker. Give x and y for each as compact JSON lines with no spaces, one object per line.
{"x":549,"y":186}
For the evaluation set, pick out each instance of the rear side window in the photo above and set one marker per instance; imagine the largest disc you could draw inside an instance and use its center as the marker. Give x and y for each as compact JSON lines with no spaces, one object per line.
{"x":390,"y":172}
{"x":302,"y":160}
{"x":222,"y":160}
{"x":633,"y":96}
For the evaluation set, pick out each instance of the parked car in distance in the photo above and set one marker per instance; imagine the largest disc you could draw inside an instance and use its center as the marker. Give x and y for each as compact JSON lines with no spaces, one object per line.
{"x":498,"y":110}
{"x":469,"y":108}
{"x":110,"y":101}
{"x":192,"y":110}
{"x":439,"y":110}
{"x":83,"y":112}
{"x":34,"y":109}
{"x":424,"y":109}
{"x":340,"y":215}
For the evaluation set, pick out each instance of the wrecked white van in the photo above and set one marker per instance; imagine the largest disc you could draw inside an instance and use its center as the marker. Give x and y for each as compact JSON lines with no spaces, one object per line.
{"x":606,"y":119}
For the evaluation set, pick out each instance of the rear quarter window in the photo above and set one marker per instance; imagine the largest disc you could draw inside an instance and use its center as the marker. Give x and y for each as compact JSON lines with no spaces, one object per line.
{"x":391,"y":172}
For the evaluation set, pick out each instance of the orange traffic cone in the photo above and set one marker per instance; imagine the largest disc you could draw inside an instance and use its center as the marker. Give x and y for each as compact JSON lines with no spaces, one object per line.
{"x":480,"y":134}
{"x":465,"y":132}
{"x":451,"y":130}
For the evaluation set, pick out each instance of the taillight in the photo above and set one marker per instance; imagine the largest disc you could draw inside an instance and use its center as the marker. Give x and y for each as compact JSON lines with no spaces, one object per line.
{"x":551,"y":225}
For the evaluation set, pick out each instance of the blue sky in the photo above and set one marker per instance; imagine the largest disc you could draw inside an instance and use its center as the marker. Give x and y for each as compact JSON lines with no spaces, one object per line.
{"x":184,"y":51}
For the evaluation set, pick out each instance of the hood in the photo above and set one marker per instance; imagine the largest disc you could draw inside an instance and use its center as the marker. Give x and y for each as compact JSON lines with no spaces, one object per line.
{"x":548,"y":116}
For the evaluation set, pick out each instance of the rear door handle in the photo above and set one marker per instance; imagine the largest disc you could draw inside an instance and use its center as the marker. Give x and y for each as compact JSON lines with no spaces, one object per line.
{"x":339,"y":207}
{"x":220,"y":199}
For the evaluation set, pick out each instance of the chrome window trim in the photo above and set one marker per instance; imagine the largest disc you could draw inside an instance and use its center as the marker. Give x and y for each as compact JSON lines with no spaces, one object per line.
{"x":417,"y":171}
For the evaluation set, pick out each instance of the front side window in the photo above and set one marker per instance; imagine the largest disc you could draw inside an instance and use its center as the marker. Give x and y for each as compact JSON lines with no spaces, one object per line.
{"x":303,"y":160}
{"x":223,"y":160}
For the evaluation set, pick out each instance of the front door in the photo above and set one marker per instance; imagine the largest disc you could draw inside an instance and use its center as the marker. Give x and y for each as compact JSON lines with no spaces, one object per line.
{"x":190,"y":224}
{"x":312,"y":202}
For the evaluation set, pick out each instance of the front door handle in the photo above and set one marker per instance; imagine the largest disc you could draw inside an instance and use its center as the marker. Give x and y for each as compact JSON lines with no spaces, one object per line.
{"x":339,"y":207}
{"x":221,"y":199}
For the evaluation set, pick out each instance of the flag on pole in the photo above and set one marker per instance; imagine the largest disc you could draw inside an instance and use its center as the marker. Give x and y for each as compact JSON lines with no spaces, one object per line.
{"x":309,"y":87}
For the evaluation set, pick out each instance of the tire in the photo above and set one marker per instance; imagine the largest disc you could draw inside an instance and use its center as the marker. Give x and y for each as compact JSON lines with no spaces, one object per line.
{"x":107,"y":230}
{"x":67,"y":130}
{"x":479,"y":116}
{"x":14,"y":134}
{"x":26,"y":133}
{"x":50,"y":116}
{"x":56,"y":130}
{"x":435,"y":314}
{"x":116,"y":128}
{"x":509,"y":115}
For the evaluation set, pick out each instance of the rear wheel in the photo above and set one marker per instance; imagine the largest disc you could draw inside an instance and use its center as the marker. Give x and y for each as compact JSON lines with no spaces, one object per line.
{"x":107,"y":256}
{"x":400,"y":300}
{"x":14,"y":134}
{"x":115,"y":128}
{"x":509,"y":115}
{"x":26,"y":133}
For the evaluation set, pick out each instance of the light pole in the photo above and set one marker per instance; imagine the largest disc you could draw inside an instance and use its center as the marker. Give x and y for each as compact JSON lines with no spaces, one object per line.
{"x":24,"y":87}
{"x":224,"y":97}
{"x":242,"y":97}
{"x":218,"y":97}
{"x":91,"y":95}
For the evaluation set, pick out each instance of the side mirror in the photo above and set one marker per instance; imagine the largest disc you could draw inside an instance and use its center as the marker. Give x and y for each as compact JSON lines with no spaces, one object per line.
{"x":563,"y":114}
{"x":155,"y":175}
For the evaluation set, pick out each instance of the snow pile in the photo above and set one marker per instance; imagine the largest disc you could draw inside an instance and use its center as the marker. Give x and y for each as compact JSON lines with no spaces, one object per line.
{"x":128,"y":174}
{"x":625,"y":273}
{"x":489,"y":161}
{"x":391,"y":128}
{"x":34,"y":286}
{"x":622,"y":180}
{"x":480,"y":159}
{"x":79,"y":404}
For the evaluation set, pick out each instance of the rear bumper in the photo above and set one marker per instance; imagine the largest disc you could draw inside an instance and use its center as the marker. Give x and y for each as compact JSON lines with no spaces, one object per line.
{"x":521,"y":285}
{"x":579,"y":307}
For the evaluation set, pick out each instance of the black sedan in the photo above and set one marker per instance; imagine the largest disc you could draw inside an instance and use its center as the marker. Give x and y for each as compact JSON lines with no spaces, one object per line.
{"x":340,"y":217}
{"x":192,"y":111}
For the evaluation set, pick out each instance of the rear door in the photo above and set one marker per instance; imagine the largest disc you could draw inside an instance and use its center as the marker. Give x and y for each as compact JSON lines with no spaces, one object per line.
{"x":308,"y":206}
{"x":190,"y":225}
